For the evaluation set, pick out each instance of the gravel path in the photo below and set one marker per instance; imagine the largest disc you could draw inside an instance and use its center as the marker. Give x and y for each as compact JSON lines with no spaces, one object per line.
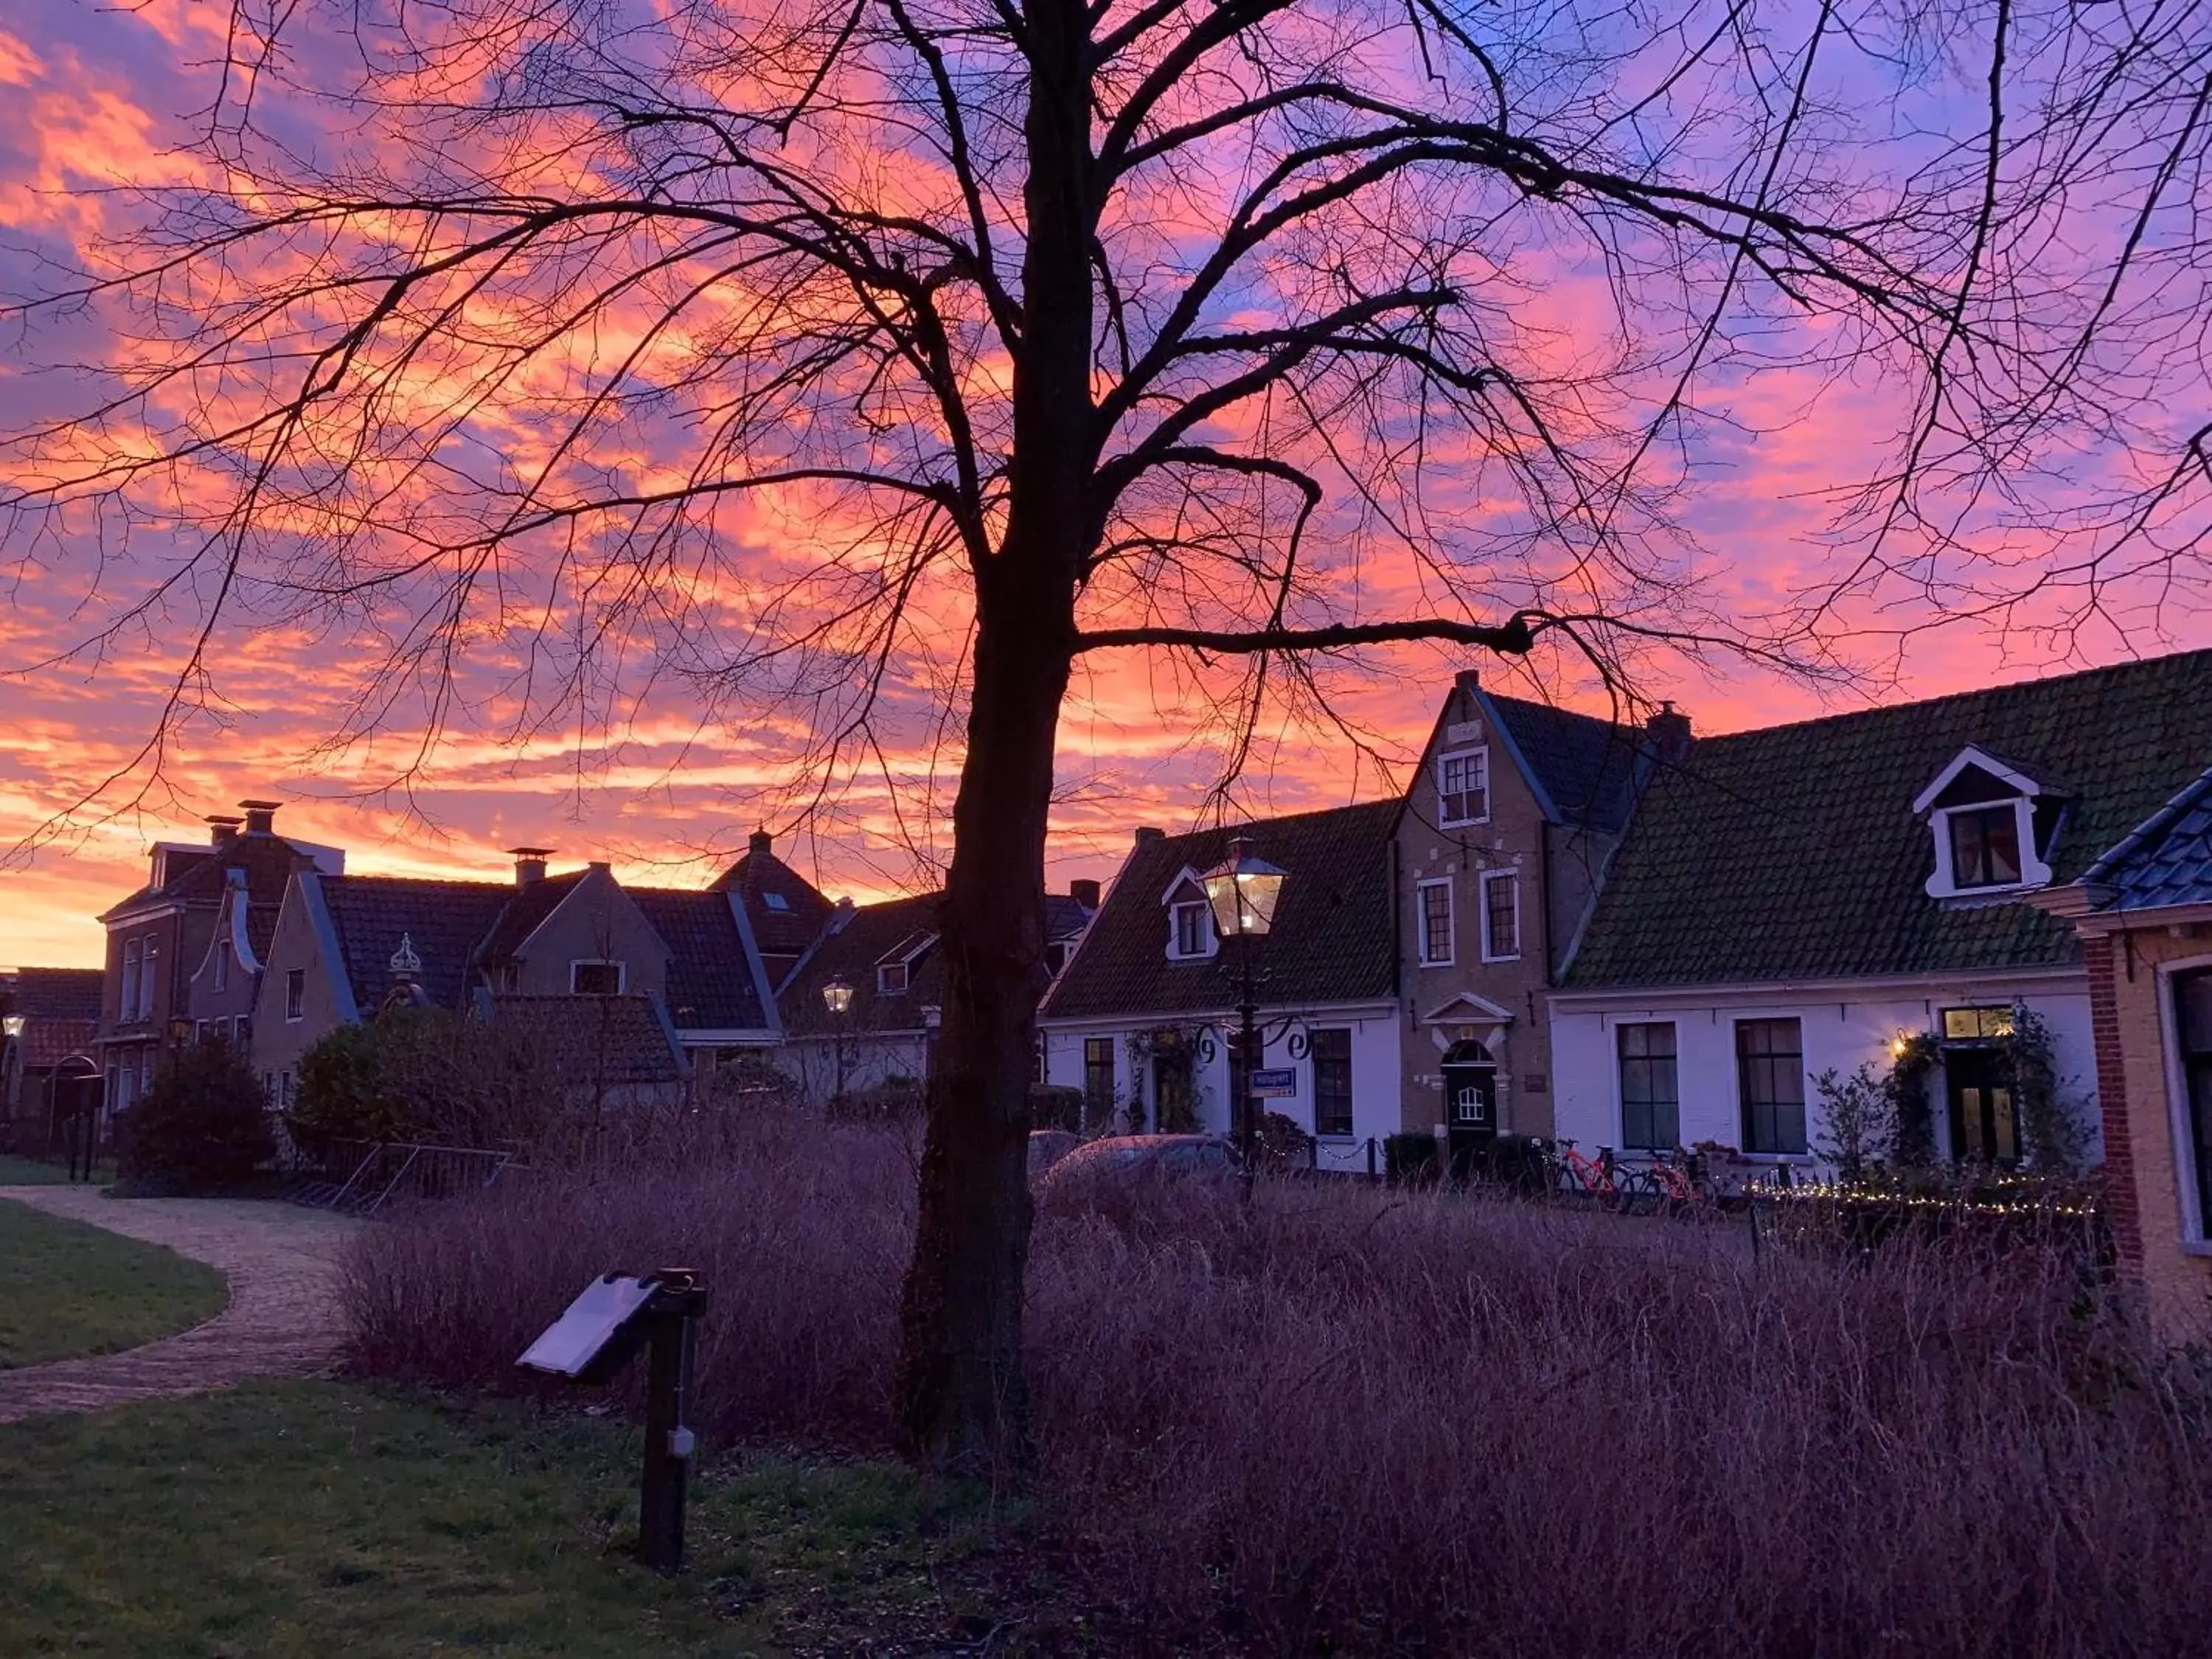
{"x":283,"y":1320}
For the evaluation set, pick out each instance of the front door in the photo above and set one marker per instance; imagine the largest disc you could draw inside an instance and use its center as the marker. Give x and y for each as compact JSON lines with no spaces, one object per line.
{"x":1984,"y":1123}
{"x":1470,"y":1107}
{"x":1174,"y":1106}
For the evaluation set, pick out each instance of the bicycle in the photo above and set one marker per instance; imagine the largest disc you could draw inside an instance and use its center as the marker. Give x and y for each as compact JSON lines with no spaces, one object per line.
{"x":1671,"y":1184}
{"x":1574,"y":1176}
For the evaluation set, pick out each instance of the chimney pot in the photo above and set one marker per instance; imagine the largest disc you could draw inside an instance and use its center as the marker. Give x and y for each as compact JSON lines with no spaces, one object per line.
{"x":260,"y":816}
{"x":222,"y":827}
{"x":1148,"y":836}
{"x":529,"y":863}
{"x":762,"y":842}
{"x":1670,"y":734}
{"x":1469,"y":679}
{"x":1084,"y":893}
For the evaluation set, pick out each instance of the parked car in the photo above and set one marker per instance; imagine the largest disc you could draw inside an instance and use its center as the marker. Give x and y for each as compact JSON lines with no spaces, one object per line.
{"x":1048,"y":1146}
{"x":1124,"y":1164}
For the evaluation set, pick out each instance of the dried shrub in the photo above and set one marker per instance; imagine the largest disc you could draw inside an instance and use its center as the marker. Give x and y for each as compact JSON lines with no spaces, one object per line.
{"x":1356,"y":1421}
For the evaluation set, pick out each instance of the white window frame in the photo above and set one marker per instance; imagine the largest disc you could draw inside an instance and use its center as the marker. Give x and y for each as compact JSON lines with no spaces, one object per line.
{"x":1482,"y":895}
{"x":2193,"y":1227}
{"x":885,"y":970}
{"x":148,"y":961}
{"x":621,"y":968}
{"x":126,"y":1005}
{"x":1212,"y":940}
{"x":1480,"y":754}
{"x":2033,"y":871}
{"x":1421,"y":939}
{"x":295,"y":1007}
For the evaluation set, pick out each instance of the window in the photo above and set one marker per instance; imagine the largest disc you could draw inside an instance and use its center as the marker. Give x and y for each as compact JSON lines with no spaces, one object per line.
{"x":295,"y":994}
{"x":1651,"y":1097}
{"x":1190,"y":933}
{"x":595,"y":979}
{"x":222,"y":965}
{"x":1332,"y":1081}
{"x":1770,"y":1056}
{"x":1435,"y":924}
{"x":1985,"y":847}
{"x":1463,"y":787}
{"x":127,"y":1008}
{"x":146,"y":981}
{"x":199,"y":1031}
{"x":2192,"y":1008}
{"x":1056,"y":957}
{"x":891,"y":978}
{"x":1501,"y":916}
{"x":775,"y":901}
{"x":241,"y":1031}
{"x":284,"y":1090}
{"x":1977,"y":1025}
{"x":1097,"y":1079}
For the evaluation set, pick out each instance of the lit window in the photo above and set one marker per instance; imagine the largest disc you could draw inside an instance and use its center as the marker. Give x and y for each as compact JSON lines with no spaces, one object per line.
{"x":1463,"y":787}
{"x":1977,"y":1025}
{"x":1435,"y":924}
{"x":1985,"y":847}
{"x":1501,"y":916}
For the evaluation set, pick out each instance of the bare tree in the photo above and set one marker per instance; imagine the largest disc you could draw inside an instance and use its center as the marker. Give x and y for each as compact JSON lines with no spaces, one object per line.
{"x":835,"y":353}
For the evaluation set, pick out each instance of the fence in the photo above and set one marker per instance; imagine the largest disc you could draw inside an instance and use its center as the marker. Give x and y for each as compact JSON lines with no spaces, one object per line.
{"x":387,"y":1173}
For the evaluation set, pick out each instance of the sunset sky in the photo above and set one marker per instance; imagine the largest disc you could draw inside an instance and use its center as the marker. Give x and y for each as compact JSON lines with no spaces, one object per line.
{"x":98,"y":93}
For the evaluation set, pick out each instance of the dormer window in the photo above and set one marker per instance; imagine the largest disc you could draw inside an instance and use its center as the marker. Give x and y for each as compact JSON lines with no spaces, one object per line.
{"x":891,"y":979}
{"x":775,"y":901}
{"x":1192,"y":920}
{"x":1992,"y":822}
{"x":1462,"y":787}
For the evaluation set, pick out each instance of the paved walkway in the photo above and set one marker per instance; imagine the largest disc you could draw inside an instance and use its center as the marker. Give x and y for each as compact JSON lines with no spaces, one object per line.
{"x":283,"y":1320}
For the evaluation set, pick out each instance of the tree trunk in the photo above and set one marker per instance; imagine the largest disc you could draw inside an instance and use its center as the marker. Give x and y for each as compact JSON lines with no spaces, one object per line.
{"x":963,"y":1404}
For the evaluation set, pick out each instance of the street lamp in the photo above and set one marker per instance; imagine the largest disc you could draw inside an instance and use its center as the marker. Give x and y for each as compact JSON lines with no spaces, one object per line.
{"x":837,"y":998}
{"x":11,"y":1029}
{"x":1243,"y":891}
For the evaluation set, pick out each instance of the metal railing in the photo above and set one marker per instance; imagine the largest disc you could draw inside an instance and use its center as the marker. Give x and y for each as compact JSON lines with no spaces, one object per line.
{"x":409,"y":1173}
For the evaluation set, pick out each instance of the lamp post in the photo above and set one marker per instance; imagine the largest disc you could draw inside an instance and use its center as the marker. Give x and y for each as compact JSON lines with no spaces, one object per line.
{"x":837,"y":998}
{"x":11,"y":1029}
{"x":1242,"y":891}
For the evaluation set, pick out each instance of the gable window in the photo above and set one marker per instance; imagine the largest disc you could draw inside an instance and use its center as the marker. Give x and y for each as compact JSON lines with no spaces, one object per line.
{"x":1501,"y":916}
{"x":147,"y":982}
{"x":128,"y":1008}
{"x":891,"y":979}
{"x":222,"y":965}
{"x":1097,"y":1079}
{"x":1435,"y":921}
{"x":1462,"y":787}
{"x":1985,"y":847}
{"x":1332,"y":1080}
{"x":1190,"y":930}
{"x":1651,"y":1094}
{"x":295,"y":994}
{"x":1770,"y":1055}
{"x":596,"y":979}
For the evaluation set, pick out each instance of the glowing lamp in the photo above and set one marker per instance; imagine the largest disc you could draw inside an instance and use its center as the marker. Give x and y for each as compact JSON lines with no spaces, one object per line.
{"x":837,"y":993}
{"x":1243,"y":891}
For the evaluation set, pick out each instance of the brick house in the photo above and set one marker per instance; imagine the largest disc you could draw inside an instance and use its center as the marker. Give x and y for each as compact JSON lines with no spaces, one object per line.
{"x":47,"y":1069}
{"x":1144,"y":1018}
{"x":162,"y":940}
{"x":787,"y":912}
{"x":887,"y":956}
{"x":1814,"y":897}
{"x":1507,"y":828}
{"x":2143,"y":913}
{"x":345,"y":946}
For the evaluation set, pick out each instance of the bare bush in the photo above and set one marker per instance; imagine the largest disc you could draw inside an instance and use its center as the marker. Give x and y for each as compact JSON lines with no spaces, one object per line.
{"x":1352,"y":1421}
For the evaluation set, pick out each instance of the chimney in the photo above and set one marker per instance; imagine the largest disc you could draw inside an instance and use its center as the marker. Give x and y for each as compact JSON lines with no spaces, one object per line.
{"x":1669,"y":733}
{"x":1084,"y":893}
{"x":1468,"y":680}
{"x":222,"y":827}
{"x":260,"y":816}
{"x":1149,"y":836}
{"x":529,"y":863}
{"x":762,"y":844}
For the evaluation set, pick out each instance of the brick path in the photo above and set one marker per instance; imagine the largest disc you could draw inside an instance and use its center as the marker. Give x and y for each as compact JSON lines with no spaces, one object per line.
{"x":283,"y":1320}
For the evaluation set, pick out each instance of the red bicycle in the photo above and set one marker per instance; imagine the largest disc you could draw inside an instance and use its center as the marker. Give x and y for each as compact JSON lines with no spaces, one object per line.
{"x":1574,"y":1176}
{"x":1670,"y":1184}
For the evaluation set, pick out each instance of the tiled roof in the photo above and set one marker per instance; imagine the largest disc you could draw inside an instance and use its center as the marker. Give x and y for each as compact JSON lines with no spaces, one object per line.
{"x":528,"y":909}
{"x":1587,"y":766}
{"x":595,"y":1039}
{"x":854,"y":950}
{"x":443,"y":921}
{"x":2167,"y":859}
{"x":60,"y":1008}
{"x":1794,"y":852}
{"x":199,"y":875}
{"x":759,"y":878}
{"x":1331,"y":940}
{"x":711,"y":986}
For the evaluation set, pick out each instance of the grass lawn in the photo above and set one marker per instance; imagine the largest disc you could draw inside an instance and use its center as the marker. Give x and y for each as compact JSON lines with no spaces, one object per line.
{"x":316,"y":1518}
{"x":67,"y":1289}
